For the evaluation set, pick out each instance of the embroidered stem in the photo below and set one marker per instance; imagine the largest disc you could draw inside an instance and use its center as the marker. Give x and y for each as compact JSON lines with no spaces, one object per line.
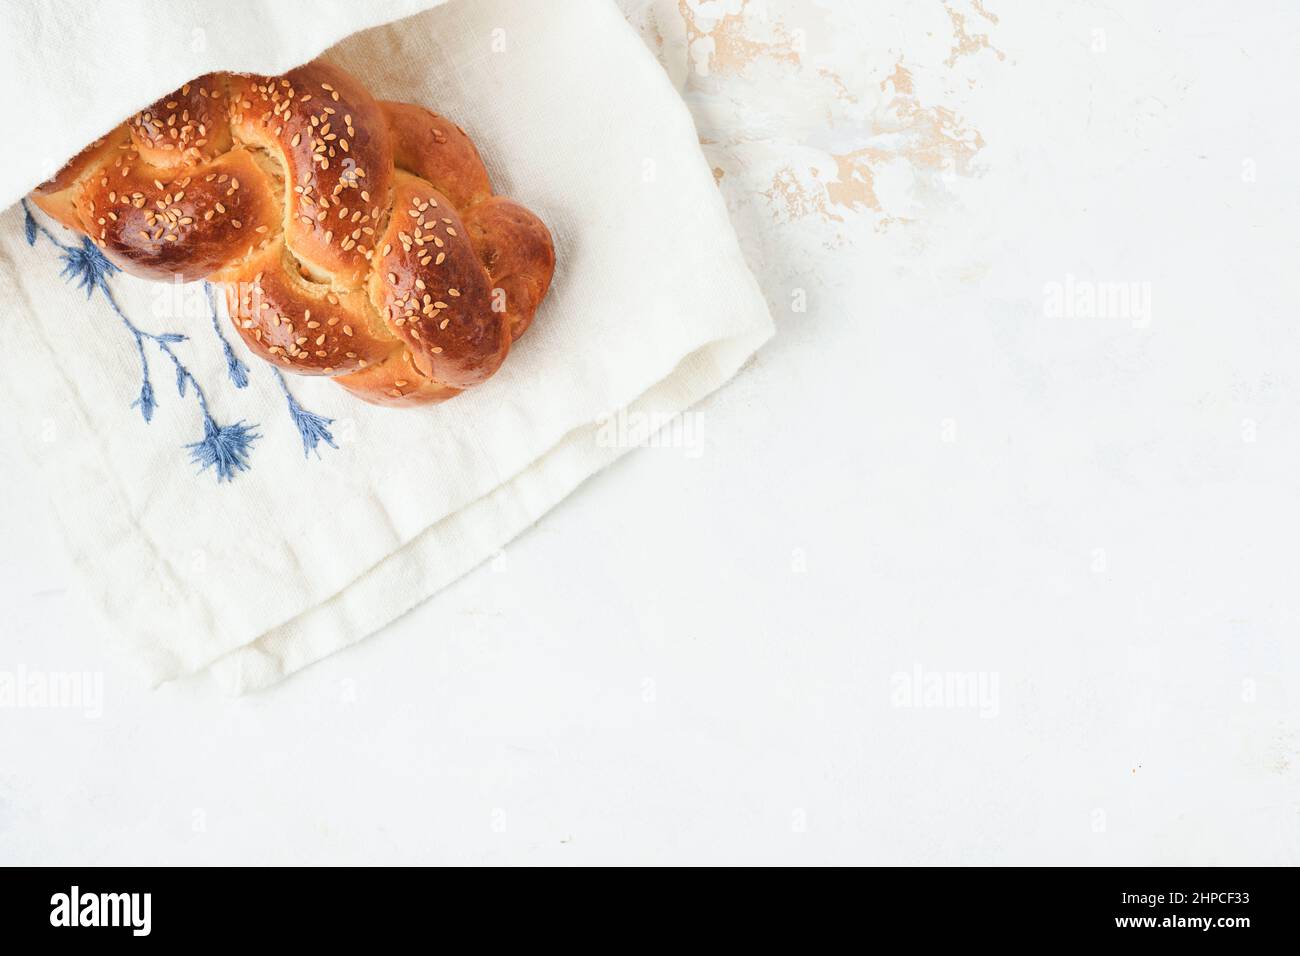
{"x":235,"y":368}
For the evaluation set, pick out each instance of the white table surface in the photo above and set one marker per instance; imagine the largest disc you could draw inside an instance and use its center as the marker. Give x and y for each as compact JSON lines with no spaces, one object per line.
{"x":704,"y":654}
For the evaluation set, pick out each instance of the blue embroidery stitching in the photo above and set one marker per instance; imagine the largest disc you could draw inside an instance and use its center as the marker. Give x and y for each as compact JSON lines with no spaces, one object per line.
{"x":235,"y":368}
{"x":224,"y":448}
{"x":312,"y":428}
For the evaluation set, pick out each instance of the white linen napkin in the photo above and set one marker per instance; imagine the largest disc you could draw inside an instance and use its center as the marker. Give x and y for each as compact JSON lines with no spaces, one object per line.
{"x":78,"y":69}
{"x":344,"y":516}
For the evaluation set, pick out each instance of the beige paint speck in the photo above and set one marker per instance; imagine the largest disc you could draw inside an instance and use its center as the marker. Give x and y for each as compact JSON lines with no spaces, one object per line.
{"x":966,"y":43}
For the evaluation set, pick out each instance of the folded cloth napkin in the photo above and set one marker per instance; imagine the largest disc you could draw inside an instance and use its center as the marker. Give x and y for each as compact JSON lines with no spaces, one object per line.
{"x":337,"y":516}
{"x":79,"y":69}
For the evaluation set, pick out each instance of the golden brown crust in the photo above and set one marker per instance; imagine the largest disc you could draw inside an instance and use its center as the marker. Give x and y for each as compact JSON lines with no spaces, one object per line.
{"x":516,"y":250}
{"x":328,"y":135}
{"x":434,"y":148}
{"x":432,"y":291}
{"x":397,"y":382}
{"x":57,"y":195}
{"x":187,"y":221}
{"x":190,"y":126}
{"x":357,"y":239}
{"x":302,"y":326}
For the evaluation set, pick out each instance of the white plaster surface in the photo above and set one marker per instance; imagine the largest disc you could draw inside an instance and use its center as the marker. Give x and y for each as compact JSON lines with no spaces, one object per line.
{"x":950,"y":464}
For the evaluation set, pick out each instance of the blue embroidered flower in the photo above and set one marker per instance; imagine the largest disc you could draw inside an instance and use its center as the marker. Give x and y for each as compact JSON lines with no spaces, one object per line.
{"x":312,"y":427}
{"x":86,"y":265}
{"x":223,"y":447}
{"x":146,"y":401}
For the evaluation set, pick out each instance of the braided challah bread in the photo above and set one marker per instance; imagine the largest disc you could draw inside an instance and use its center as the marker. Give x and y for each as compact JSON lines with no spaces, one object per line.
{"x":356,"y":239}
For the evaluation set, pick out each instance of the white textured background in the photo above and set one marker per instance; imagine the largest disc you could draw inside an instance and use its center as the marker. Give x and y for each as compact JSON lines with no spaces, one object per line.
{"x":696,"y":658}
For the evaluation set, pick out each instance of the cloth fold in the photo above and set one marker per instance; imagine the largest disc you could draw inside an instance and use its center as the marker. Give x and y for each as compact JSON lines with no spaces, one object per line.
{"x":337,"y":516}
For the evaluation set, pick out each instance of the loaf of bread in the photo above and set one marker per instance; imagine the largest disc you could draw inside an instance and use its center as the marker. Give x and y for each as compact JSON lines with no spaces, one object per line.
{"x":355,"y":238}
